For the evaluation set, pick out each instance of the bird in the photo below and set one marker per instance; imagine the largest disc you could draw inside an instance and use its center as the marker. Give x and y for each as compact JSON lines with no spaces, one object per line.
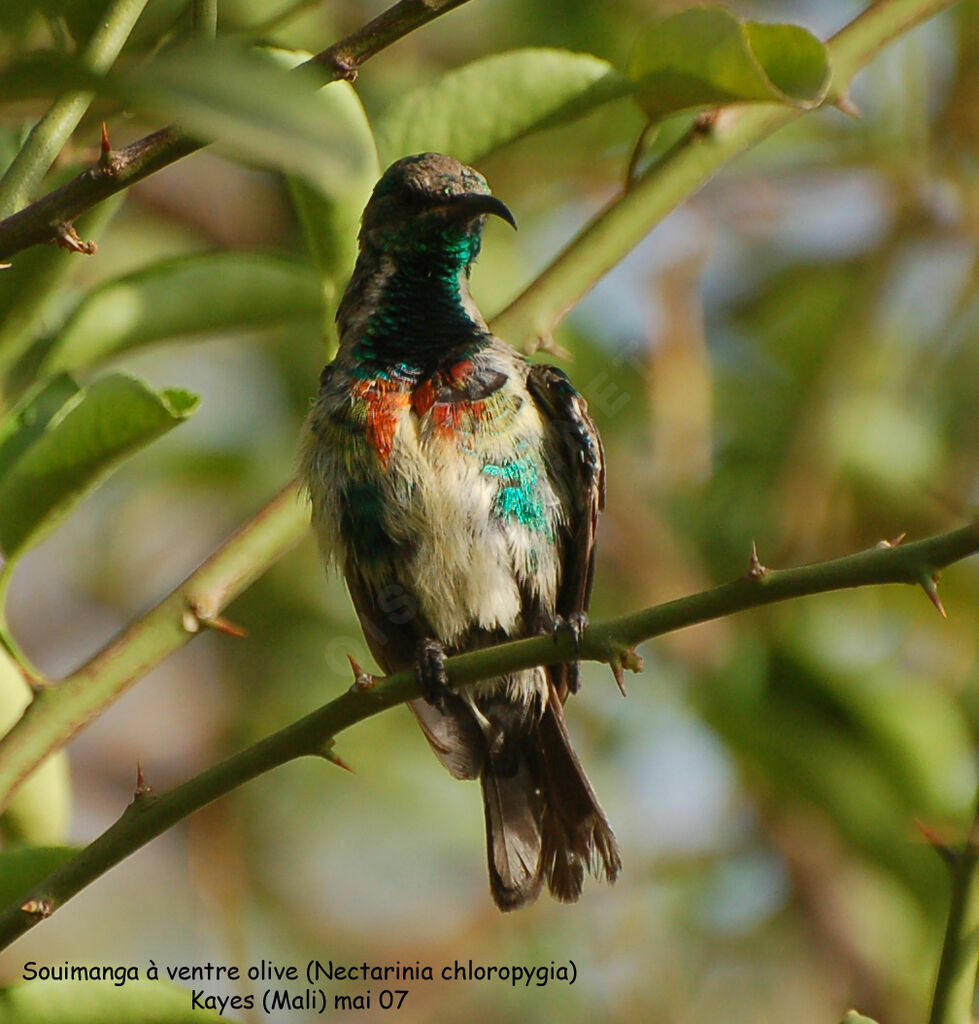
{"x":457,"y":487}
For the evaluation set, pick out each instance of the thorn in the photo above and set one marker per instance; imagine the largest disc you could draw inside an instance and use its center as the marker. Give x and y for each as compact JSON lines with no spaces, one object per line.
{"x":848,"y":107}
{"x":756,"y":571}
{"x":334,"y":758}
{"x":5,"y":266}
{"x":627,"y":659}
{"x":141,"y":788}
{"x":363,"y":681}
{"x":891,"y":543}
{"x":39,"y":908}
{"x":619,"y":677}
{"x":928,"y":584}
{"x":105,"y":150}
{"x":223,"y":625}
{"x":935,"y":841}
{"x":68,"y":238}
{"x":546,"y":343}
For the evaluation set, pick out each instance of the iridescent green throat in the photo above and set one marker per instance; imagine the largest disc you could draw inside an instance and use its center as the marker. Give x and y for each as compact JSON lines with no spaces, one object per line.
{"x":420,"y":313}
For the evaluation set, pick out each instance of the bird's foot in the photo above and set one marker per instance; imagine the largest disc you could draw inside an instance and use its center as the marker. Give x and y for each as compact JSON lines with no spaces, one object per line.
{"x":430,"y":672}
{"x":575,"y":624}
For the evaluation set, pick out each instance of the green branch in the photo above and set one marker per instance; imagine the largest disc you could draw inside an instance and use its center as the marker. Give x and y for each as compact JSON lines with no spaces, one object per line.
{"x":39,"y":222}
{"x":628,"y":218}
{"x":49,"y":135}
{"x":955,"y":983}
{"x":613,"y":641}
{"x":60,"y":710}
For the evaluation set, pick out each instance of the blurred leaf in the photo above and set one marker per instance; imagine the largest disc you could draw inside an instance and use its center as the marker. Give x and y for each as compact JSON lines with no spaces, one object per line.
{"x":329,"y":206}
{"x":482,"y":106}
{"x":31,"y":292}
{"x":98,"y":1002}
{"x":240,"y":98}
{"x":705,"y":56}
{"x":184,"y":296}
{"x":16,"y":16}
{"x":27,"y":420}
{"x":38,"y":811}
{"x":23,"y":867}
{"x":93,"y":433}
{"x":43,"y":75}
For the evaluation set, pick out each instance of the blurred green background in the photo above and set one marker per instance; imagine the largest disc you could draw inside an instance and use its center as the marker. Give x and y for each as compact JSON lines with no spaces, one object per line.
{"x":791,"y":358}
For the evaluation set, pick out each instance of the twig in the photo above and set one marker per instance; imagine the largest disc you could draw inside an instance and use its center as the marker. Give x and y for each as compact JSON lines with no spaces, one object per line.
{"x":58,"y":711}
{"x":956,"y":980}
{"x":672,"y":179}
{"x":610,"y":642}
{"x":37,"y":223}
{"x":49,"y":135}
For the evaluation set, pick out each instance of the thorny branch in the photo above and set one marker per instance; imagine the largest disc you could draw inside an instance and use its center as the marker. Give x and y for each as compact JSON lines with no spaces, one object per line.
{"x":43,"y":220}
{"x":151,"y":814}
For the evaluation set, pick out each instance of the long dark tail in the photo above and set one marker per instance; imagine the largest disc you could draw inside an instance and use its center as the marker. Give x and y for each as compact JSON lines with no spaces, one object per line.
{"x":543,"y":820}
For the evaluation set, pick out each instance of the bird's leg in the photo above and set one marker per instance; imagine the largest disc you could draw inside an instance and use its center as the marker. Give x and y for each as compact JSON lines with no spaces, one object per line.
{"x":574,"y":624}
{"x":430,"y":672}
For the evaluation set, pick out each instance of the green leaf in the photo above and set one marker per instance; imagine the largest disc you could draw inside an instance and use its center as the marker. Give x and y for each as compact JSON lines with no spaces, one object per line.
{"x":28,"y":419}
{"x":482,"y":106}
{"x":23,"y":867}
{"x":329,"y":206}
{"x":184,"y":296}
{"x":38,"y":811}
{"x":90,"y":436}
{"x":243,"y":100}
{"x":705,"y":56}
{"x":96,"y":1002}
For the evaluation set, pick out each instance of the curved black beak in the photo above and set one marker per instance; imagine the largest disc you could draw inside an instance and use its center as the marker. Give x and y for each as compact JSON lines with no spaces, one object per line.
{"x":475,"y":205}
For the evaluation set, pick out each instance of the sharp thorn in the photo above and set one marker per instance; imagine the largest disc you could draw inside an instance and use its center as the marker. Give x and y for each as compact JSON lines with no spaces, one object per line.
{"x":105,"y":149}
{"x":141,"y":788}
{"x":756,"y":570}
{"x":619,"y":674}
{"x":223,"y":625}
{"x":847,"y":106}
{"x":884,"y":543}
{"x":38,"y":908}
{"x":336,"y":759}
{"x":935,"y":841}
{"x":363,"y":681}
{"x":546,"y":343}
{"x":5,"y":266}
{"x":929,"y":585}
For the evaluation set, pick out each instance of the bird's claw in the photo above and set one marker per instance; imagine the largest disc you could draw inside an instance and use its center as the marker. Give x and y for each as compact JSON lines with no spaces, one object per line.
{"x":575,"y":624}
{"x":430,"y":672}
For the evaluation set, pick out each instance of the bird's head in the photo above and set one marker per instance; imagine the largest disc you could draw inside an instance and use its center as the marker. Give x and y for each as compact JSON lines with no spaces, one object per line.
{"x":429,"y":204}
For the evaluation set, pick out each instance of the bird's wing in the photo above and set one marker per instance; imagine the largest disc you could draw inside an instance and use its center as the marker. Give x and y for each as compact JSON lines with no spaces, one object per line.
{"x":577,"y":464}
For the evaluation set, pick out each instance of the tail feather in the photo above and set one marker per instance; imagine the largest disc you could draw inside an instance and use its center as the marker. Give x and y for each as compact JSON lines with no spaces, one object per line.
{"x":543,"y":819}
{"x":576,"y":833}
{"x":513,"y":809}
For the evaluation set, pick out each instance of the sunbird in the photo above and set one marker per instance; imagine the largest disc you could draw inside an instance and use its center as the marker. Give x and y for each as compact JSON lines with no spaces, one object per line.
{"x":457,"y":487}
